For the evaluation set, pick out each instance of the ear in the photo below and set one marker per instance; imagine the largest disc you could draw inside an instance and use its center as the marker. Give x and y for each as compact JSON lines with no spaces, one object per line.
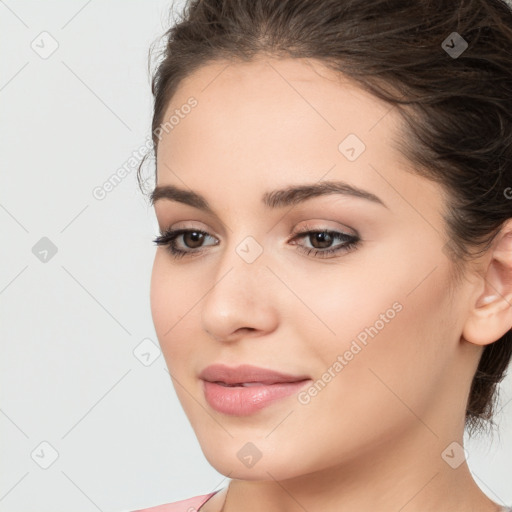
{"x":491,"y":315}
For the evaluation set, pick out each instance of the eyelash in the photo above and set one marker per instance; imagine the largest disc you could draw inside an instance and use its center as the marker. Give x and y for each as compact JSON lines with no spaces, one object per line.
{"x":168,"y":239}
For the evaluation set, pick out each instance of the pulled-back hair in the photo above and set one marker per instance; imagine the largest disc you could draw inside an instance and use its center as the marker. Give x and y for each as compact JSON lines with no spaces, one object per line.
{"x":457,"y":107}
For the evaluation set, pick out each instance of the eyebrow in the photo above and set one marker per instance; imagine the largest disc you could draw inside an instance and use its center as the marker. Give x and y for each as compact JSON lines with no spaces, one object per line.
{"x":288,"y":196}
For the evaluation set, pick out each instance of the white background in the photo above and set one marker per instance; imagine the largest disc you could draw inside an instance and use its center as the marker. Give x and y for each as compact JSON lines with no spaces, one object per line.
{"x":69,"y":326}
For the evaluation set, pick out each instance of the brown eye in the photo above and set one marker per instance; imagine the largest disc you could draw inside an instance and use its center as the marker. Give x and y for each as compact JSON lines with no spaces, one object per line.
{"x":193,"y":239}
{"x":181,"y":242}
{"x":322,"y":242}
{"x":321,"y":239}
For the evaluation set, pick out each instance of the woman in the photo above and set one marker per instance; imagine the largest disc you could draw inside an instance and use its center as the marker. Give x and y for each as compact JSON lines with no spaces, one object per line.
{"x":333,"y":279}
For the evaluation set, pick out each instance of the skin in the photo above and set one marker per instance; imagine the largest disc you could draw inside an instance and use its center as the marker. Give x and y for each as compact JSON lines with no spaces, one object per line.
{"x":375,"y":434}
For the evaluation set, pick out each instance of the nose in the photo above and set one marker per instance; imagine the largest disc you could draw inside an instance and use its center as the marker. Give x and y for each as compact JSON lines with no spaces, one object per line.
{"x":242,"y":299}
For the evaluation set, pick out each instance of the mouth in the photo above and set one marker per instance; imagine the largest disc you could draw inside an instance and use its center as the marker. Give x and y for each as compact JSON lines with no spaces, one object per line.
{"x":250,"y":384}
{"x":244,"y":390}
{"x":246,"y":375}
{"x":249,"y":397}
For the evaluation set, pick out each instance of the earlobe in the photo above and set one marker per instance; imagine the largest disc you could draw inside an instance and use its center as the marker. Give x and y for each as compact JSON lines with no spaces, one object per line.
{"x":490,"y":317}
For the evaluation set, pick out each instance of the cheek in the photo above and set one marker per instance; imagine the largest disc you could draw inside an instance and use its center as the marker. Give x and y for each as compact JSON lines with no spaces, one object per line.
{"x":396,"y":340}
{"x":392,"y":294}
{"x":166,"y":296}
{"x":175,"y":301}
{"x":356,"y":300}
{"x":159,"y":290}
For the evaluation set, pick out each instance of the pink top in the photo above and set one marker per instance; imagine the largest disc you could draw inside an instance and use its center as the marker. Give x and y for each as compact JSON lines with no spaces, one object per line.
{"x":188,"y":505}
{"x":193,"y":504}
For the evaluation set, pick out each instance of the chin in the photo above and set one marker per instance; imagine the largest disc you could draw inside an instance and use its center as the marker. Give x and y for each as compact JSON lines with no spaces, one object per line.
{"x":241,"y":459}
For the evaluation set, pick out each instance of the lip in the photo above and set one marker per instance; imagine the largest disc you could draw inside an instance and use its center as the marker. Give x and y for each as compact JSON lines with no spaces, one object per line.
{"x":246,"y":373}
{"x":237,"y":400}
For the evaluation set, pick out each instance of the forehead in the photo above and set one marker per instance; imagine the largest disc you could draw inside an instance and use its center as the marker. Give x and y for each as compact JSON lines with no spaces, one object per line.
{"x":268,"y":107}
{"x":269,"y":123}
{"x":267,"y":89}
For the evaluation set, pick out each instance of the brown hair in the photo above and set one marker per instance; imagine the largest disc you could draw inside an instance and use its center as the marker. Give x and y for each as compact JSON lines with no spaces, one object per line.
{"x":457,"y":108}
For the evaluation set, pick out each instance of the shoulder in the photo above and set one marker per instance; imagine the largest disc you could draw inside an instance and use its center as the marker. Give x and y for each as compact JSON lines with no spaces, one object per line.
{"x":188,"y":505}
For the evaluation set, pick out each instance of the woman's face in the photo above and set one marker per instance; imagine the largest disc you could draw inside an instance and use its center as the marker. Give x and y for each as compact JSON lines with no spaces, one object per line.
{"x":373,"y":325}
